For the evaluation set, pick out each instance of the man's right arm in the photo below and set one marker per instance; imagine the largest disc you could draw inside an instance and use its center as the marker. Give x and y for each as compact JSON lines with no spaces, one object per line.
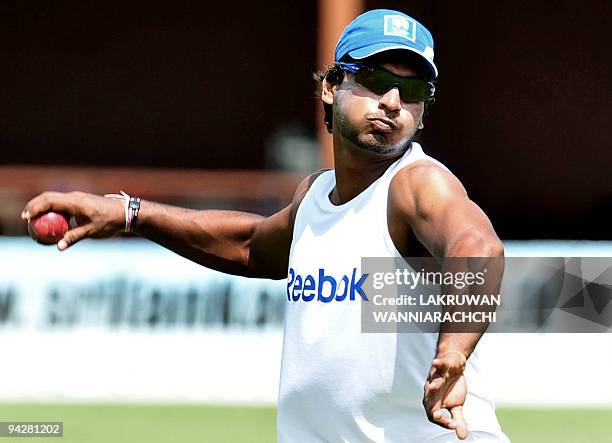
{"x":233,"y":242}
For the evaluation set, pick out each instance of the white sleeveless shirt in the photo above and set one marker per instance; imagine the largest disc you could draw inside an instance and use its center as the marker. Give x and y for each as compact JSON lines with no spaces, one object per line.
{"x":338,"y":384}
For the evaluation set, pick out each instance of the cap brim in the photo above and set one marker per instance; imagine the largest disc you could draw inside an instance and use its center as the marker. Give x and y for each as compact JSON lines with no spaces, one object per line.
{"x":368,"y":51}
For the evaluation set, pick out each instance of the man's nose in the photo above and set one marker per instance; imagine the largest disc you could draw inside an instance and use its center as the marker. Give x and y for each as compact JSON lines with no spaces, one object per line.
{"x":391,"y":99}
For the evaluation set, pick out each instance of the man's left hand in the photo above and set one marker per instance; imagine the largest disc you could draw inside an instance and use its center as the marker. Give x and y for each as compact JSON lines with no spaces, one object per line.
{"x":446,"y":389}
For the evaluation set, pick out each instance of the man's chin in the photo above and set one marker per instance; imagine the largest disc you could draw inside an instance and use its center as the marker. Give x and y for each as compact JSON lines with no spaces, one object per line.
{"x":378,"y":143}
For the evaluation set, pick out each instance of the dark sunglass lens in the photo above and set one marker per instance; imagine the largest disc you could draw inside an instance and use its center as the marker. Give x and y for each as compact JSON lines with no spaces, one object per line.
{"x":414,"y":90}
{"x":372,"y":80}
{"x":379,"y":81}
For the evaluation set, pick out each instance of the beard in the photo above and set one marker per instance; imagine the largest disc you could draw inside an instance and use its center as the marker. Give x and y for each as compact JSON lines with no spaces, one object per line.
{"x":375,"y":142}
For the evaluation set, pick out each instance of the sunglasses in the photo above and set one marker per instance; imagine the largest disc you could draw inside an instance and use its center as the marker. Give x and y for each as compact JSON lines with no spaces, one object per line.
{"x":380,"y":81}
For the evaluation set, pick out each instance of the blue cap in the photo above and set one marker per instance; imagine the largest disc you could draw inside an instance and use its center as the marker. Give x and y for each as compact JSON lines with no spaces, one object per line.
{"x":382,"y":30}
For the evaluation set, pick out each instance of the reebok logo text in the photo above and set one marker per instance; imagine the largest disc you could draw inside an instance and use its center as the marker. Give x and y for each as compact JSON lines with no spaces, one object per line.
{"x":324,"y":288}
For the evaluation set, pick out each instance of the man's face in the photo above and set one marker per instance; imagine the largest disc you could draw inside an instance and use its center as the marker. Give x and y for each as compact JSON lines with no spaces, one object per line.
{"x":378,"y":123}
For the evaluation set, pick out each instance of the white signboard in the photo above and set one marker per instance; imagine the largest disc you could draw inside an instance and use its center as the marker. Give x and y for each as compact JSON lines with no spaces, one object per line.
{"x":126,"y":320}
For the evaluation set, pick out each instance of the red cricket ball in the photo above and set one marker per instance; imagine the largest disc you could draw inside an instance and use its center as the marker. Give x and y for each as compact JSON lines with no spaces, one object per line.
{"x":48,"y":228}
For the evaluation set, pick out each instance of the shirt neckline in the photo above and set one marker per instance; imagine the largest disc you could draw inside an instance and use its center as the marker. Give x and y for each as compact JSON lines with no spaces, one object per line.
{"x":327,"y":205}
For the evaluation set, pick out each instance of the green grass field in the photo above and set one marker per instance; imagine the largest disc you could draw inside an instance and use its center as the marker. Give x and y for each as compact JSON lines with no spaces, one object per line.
{"x":212,"y":424}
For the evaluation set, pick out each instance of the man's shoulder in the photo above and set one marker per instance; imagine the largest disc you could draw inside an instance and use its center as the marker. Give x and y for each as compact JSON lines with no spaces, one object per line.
{"x":305,"y":185}
{"x":302,"y":189}
{"x":421,"y":184}
{"x":423,"y":173}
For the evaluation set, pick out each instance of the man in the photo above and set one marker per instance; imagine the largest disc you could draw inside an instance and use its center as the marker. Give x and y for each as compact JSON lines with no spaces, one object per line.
{"x":338,"y":384}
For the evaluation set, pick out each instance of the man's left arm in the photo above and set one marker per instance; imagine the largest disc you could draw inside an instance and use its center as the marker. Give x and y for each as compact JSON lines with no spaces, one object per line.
{"x":435,"y":206}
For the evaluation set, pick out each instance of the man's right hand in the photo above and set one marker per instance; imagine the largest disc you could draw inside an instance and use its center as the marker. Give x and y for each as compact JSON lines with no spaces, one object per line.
{"x":96,"y":216}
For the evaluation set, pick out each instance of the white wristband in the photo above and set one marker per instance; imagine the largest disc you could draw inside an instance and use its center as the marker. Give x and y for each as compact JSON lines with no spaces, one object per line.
{"x":126,"y":202}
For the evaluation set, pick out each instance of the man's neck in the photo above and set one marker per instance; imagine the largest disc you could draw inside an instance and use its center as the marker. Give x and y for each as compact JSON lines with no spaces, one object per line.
{"x":355,"y":170}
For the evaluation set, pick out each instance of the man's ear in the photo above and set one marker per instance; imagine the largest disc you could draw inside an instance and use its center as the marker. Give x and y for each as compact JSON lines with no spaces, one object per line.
{"x":327,"y":92}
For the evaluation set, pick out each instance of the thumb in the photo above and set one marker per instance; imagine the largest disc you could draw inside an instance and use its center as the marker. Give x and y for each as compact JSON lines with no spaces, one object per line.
{"x":438,"y":363}
{"x":73,"y":236}
{"x":460,"y":425}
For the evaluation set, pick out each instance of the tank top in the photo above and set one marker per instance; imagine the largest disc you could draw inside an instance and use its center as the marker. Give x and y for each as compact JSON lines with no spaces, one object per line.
{"x":338,"y":384}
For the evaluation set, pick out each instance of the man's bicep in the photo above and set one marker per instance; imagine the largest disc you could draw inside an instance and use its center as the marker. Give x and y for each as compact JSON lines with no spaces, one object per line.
{"x":270,"y":244}
{"x":271,"y":240}
{"x":455,"y":226}
{"x":440,"y":213}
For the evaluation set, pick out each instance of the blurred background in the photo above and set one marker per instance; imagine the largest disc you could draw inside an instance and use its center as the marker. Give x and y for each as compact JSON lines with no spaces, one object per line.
{"x":213,"y":105}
